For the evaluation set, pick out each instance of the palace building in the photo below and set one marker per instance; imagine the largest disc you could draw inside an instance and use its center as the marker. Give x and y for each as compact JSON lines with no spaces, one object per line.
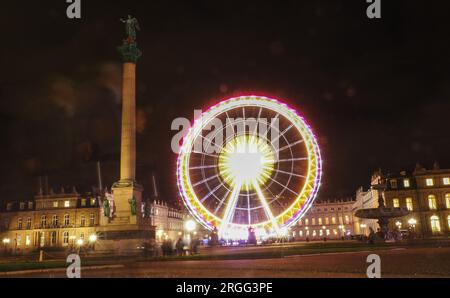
{"x":71,"y":220}
{"x":426,"y":194}
{"x":332,"y":219}
{"x":61,"y":220}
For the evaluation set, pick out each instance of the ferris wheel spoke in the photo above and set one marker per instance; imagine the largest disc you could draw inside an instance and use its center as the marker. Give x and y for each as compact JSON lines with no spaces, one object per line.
{"x":230,"y":209}
{"x":284,"y":186}
{"x":283,"y":133}
{"x":207,"y":154}
{"x":211,"y":192}
{"x":202,"y":167}
{"x":257,"y":121}
{"x":206,"y":180}
{"x":212,"y":143}
{"x":289,"y":173}
{"x":249,"y":215}
{"x":293,"y":159}
{"x":290,"y":145}
{"x":266,"y":206}
{"x":222,"y":201}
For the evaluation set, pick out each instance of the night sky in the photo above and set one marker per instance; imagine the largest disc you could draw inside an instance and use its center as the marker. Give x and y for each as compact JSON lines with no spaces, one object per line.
{"x":376,"y":92}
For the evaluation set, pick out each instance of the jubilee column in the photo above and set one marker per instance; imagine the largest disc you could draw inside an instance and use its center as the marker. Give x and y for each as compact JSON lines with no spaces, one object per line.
{"x":127,"y":193}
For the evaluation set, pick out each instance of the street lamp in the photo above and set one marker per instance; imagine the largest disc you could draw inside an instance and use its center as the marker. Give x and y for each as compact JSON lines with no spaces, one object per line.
{"x":6,"y":241}
{"x":190,"y":225}
{"x":80,"y":242}
{"x":92,"y":238}
{"x":398,"y":224}
{"x":412,"y":222}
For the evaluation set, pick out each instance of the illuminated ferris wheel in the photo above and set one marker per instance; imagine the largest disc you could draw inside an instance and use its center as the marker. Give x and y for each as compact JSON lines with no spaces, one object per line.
{"x":249,"y":161}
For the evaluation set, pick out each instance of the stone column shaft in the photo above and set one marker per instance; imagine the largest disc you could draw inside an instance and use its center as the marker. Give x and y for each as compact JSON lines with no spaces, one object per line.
{"x":128,"y":136}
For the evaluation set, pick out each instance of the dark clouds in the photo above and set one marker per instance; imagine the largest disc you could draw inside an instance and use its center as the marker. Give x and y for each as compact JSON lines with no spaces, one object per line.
{"x":376,"y":92}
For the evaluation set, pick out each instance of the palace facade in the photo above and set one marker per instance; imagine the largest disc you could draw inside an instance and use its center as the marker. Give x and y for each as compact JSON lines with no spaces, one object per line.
{"x":70,"y":220}
{"x":51,"y":221}
{"x":426,"y":194}
{"x":332,"y":219}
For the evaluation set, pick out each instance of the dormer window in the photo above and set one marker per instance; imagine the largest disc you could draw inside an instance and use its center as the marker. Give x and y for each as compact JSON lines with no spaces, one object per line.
{"x":393,"y":183}
{"x":429,"y":182}
{"x":406,"y":183}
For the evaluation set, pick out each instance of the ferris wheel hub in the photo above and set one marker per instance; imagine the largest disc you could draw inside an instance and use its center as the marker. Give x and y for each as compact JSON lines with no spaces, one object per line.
{"x":246,"y":160}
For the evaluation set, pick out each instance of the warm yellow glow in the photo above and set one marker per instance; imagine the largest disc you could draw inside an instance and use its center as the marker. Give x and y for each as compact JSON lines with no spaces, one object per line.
{"x":246,"y":160}
{"x":92,"y":238}
{"x":6,"y":241}
{"x":412,"y":221}
{"x":80,"y":242}
{"x":190,"y":225}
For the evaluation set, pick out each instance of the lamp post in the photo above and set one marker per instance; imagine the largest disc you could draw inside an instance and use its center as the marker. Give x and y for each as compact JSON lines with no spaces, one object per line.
{"x":6,"y":241}
{"x":412,"y":224}
{"x":190,"y":227}
{"x":80,"y":243}
{"x":92,"y":240}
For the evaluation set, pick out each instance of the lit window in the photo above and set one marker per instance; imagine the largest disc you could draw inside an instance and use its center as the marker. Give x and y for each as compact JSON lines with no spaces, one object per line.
{"x":320,"y":232}
{"x":409,"y":204}
{"x":429,"y":181}
{"x":66,"y":219}
{"x":396,"y":203}
{"x":313,"y":221}
{"x":27,"y":240}
{"x":66,"y":238}
{"x":28,"y":223}
{"x":66,"y":204}
{"x":347,"y":220}
{"x":93,"y":202}
{"x":446,"y":181}
{"x":55,"y":204}
{"x":393,"y":183}
{"x":447,"y":200}
{"x":83,"y":202}
{"x":320,"y":220}
{"x":307,"y":221}
{"x":91,"y":219}
{"x":43,"y":221}
{"x":42,"y":240}
{"x":435,"y":225}
{"x":333,"y":220}
{"x":53,"y":238}
{"x":432,"y":202}
{"x":406,"y":183}
{"x":30,"y":205}
{"x":19,"y":240}
{"x":83,"y":221}
{"x":19,"y":224}
{"x":300,"y":222}
{"x":327,"y":221}
{"x":55,"y":220}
